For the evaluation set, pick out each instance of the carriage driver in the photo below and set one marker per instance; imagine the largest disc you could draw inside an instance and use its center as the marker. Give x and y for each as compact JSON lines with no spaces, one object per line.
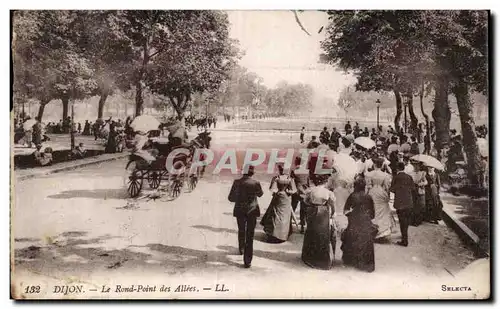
{"x":140,"y":141}
{"x":178,"y":136}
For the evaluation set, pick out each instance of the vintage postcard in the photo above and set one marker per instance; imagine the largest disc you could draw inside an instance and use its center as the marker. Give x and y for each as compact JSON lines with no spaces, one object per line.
{"x":328,"y":154}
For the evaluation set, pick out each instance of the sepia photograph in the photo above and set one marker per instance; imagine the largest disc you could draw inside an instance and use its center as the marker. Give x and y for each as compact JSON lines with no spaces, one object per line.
{"x":250,"y":154}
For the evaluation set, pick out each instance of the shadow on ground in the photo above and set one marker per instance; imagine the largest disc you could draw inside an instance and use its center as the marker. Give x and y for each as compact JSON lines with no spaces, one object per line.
{"x":74,"y":253}
{"x":99,"y":194}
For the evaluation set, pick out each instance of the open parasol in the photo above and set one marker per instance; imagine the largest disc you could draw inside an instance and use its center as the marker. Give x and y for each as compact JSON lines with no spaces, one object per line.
{"x":28,"y":124}
{"x":365,"y":142}
{"x":428,"y":161}
{"x":483,"y":146}
{"x":145,"y":123}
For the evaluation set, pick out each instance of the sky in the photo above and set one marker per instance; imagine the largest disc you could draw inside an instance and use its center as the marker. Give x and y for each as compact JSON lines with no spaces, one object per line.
{"x":277,"y":49}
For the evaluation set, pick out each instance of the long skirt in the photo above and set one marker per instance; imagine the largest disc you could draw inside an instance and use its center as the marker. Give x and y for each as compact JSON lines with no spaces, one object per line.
{"x":277,"y":219}
{"x":433,"y":205}
{"x":357,"y":245}
{"x":318,"y":250}
{"x":418,"y":209}
{"x":383,"y":217}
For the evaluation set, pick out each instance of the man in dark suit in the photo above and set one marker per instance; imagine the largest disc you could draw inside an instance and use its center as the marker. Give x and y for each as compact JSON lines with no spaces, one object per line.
{"x":244,"y":193}
{"x":403,"y":188}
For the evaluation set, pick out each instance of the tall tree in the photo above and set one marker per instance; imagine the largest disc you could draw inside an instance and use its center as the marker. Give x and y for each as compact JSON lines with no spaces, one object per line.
{"x":383,"y":48}
{"x":150,"y":33}
{"x":108,"y":50}
{"x":48,"y":64}
{"x":463,"y":53}
{"x":202,"y":42}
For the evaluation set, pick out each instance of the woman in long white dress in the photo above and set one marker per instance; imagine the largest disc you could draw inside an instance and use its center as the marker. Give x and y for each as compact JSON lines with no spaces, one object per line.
{"x":378,"y":185}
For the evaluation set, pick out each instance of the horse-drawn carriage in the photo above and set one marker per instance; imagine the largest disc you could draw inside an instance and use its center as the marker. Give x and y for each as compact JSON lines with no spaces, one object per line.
{"x":153,"y":167}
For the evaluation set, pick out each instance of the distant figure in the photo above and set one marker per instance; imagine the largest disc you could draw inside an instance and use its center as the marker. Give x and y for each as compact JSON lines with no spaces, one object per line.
{"x":244,"y":193}
{"x":42,"y":159}
{"x":348,"y":127}
{"x":405,"y":146}
{"x":80,"y":151}
{"x":37,"y":132}
{"x":313,"y":143}
{"x":414,"y":149}
{"x":79,"y":128}
{"x":37,"y":154}
{"x":28,"y":137}
{"x":335,"y":137}
{"x":302,"y":134}
{"x":86,"y":128}
{"x":324,"y":136}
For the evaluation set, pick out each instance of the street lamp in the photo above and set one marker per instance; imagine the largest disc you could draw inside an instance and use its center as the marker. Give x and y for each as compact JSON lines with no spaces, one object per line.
{"x":378,"y":114}
{"x":405,"y":103}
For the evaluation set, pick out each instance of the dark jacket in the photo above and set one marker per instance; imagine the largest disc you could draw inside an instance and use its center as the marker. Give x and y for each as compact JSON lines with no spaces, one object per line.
{"x":244,"y":193}
{"x":403,"y":188}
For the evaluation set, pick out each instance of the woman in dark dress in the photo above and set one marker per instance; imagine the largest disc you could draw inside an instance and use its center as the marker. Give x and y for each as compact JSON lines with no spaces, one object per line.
{"x":277,"y":220}
{"x":111,"y":144}
{"x":357,"y":239}
{"x":318,"y":250}
{"x":432,"y":200}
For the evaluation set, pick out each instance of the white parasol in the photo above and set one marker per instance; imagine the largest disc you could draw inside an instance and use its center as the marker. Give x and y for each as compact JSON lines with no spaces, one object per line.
{"x":145,"y":123}
{"x":483,"y":146}
{"x":428,"y":161}
{"x":28,"y":124}
{"x":365,"y":142}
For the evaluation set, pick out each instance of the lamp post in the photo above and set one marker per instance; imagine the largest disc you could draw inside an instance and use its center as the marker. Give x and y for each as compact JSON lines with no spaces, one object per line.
{"x":378,"y":114}
{"x":405,"y":103}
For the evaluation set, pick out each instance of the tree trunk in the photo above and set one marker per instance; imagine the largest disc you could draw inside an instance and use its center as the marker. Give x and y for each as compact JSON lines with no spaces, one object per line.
{"x":179,"y":105}
{"x":65,"y":103}
{"x":466,"y":111}
{"x":102,"y":100}
{"x":399,"y":110}
{"x":441,"y":114}
{"x":413,"y":117}
{"x":41,"y":109}
{"x":139,"y":100}
{"x":427,"y":139}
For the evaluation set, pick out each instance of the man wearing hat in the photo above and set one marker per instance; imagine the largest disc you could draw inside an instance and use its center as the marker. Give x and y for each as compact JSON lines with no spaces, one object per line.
{"x":335,"y":137}
{"x":324,"y":136}
{"x":244,"y":193}
{"x":403,"y":188}
{"x":313,"y":143}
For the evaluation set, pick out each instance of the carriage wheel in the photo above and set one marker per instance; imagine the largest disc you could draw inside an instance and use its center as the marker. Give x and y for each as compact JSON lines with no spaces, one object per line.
{"x":193,"y":181}
{"x":154,"y":179}
{"x":133,"y":180}
{"x":175,"y":188}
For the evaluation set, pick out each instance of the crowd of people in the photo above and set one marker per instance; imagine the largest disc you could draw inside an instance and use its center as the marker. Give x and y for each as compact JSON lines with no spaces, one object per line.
{"x":351,"y":206}
{"x":33,"y":133}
